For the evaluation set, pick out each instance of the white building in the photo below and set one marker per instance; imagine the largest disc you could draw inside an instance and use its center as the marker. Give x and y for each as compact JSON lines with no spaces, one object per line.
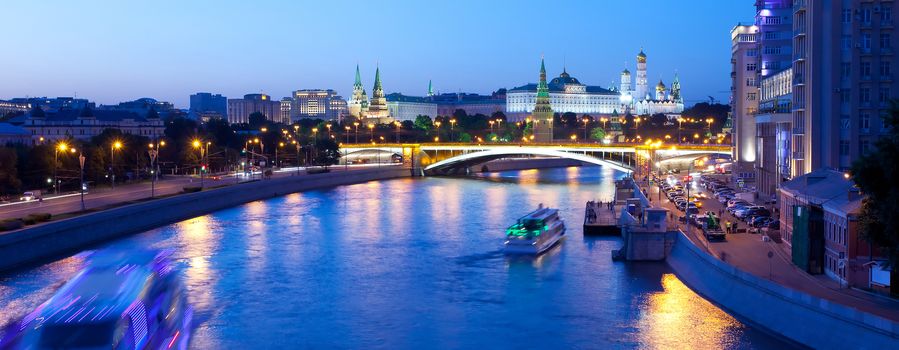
{"x":402,"y":107}
{"x":567,"y":94}
{"x":85,"y":124}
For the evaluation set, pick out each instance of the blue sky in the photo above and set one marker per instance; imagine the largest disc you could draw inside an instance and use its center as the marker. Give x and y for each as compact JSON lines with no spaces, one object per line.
{"x":111,"y":51}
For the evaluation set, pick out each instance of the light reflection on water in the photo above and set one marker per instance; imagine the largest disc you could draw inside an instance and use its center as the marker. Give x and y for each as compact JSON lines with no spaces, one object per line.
{"x":415,"y":263}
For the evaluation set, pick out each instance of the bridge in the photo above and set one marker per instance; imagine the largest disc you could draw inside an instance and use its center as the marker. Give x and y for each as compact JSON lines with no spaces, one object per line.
{"x":454,"y":158}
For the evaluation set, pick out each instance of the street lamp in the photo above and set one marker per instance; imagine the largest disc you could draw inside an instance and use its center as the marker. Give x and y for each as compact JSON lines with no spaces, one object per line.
{"x":329,"y":130}
{"x":573,"y":138}
{"x":398,"y":124}
{"x":62,"y":146}
{"x":200,"y":147}
{"x":356,"y":124}
{"x":453,"y":127}
{"x":347,"y":133}
{"x":603,"y":120}
{"x":112,"y":148}
{"x":585,"y":128}
{"x":81,"y":177}
{"x":315,"y":133}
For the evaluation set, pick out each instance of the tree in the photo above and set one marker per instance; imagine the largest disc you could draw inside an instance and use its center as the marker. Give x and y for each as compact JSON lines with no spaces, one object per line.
{"x":257,"y":120}
{"x":9,"y":180}
{"x":875,"y":174}
{"x":465,"y":137}
{"x":423,"y":122}
{"x":327,"y":152}
{"x":597,"y":134}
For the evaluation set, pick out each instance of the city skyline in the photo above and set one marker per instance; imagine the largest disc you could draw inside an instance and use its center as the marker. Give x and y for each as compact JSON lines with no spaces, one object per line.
{"x":502,"y":48}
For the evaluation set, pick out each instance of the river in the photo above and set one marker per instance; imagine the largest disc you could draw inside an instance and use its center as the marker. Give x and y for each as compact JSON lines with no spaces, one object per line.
{"x":416,"y":263}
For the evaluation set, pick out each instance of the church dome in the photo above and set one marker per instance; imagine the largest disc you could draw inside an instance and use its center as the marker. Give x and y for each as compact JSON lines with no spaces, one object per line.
{"x":641,"y":57}
{"x":661,"y":86}
{"x":564,"y":79}
{"x":625,"y":71}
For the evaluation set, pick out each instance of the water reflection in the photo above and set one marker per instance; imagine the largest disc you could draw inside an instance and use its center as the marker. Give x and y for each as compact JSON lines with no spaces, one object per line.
{"x":417,"y":263}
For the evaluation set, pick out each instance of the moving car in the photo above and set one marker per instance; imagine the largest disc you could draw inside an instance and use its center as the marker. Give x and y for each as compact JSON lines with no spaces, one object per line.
{"x":30,"y":196}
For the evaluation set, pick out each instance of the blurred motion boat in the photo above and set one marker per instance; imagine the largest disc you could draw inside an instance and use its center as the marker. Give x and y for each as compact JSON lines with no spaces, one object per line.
{"x":120,"y":300}
{"x":535,"y":232}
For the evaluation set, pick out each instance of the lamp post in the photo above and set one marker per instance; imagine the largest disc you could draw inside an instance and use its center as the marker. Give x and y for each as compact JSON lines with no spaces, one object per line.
{"x":371,"y":132}
{"x":346,"y":134}
{"x":62,"y":146}
{"x":329,"y":130}
{"x":153,"y":152}
{"x":315,"y":133}
{"x":453,"y":128}
{"x":585,"y":128}
{"x":199,"y":146}
{"x":115,"y":145}
{"x":437,"y":125}
{"x":573,"y":138}
{"x":356,"y":124}
{"x":81,"y":176}
{"x":398,"y":124}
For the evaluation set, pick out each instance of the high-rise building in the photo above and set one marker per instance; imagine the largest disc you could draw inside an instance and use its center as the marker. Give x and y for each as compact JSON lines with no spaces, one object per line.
{"x":239,"y":109}
{"x":543,"y":111}
{"x":204,"y":105}
{"x":842,"y":79}
{"x":774,"y":78}
{"x":744,"y":99}
{"x":317,"y":103}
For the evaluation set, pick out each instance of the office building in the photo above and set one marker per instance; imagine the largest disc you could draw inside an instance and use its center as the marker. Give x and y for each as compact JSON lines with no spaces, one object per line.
{"x":402,"y":107}
{"x":204,"y":105}
{"x":240,"y":109}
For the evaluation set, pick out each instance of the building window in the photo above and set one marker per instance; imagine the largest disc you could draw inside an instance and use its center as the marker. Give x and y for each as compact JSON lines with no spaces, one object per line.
{"x":866,"y":41}
{"x":884,"y":94}
{"x":772,"y":50}
{"x":864,"y":121}
{"x":864,"y":95}
{"x":844,"y":148}
{"x":751,"y":96}
{"x":846,"y":42}
{"x":884,"y":40}
{"x":750,"y":81}
{"x":750,"y":67}
{"x":865,"y":70}
{"x":752,"y":52}
{"x":885,"y":68}
{"x":866,"y":15}
{"x":863,"y":146}
{"x":886,"y":13}
{"x":844,"y":122}
{"x":847,"y":16}
{"x":772,"y":20}
{"x":845,"y":69}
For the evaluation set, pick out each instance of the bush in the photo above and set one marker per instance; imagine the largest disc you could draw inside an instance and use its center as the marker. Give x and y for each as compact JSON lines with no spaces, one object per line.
{"x":192,"y":189}
{"x":38,"y":217}
{"x":11,"y":224}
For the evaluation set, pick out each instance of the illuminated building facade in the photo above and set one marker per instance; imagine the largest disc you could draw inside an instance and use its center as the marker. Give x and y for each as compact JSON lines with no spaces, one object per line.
{"x":239,"y":109}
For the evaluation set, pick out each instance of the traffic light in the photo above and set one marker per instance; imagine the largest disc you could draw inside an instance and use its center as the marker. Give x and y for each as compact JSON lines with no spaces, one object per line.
{"x":203,"y":168}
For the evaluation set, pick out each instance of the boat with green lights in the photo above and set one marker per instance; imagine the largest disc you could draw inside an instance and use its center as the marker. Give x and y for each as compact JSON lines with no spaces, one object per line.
{"x":535,"y":232}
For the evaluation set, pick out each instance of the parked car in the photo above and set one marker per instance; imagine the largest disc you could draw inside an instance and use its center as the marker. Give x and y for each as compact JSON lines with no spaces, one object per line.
{"x":747,"y":211}
{"x":760,"y":221}
{"x":773,"y":225}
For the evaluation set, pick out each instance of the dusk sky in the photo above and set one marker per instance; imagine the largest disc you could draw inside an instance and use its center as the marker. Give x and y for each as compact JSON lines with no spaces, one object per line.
{"x":112,"y":51}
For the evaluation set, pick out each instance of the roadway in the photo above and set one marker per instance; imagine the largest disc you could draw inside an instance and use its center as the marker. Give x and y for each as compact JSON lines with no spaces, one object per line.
{"x":748,"y":252}
{"x":107,"y":197}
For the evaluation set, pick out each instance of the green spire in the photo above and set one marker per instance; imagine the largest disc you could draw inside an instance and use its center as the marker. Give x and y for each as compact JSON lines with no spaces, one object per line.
{"x":358,"y":77}
{"x":377,"y":78}
{"x":542,"y":88}
{"x":430,"y":88}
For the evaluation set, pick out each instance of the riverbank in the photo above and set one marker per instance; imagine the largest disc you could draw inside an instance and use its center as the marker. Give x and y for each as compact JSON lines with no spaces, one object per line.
{"x":792,"y":314}
{"x":53,"y":239}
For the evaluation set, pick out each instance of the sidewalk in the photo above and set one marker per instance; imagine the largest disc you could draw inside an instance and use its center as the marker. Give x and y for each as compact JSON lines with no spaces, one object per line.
{"x":747,"y":252}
